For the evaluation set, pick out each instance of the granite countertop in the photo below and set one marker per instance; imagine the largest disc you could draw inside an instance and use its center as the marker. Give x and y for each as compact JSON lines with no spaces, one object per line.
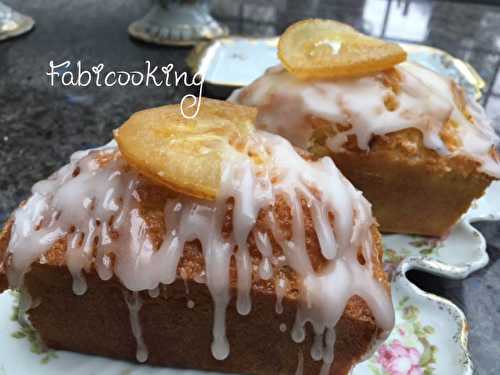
{"x":40,"y":125}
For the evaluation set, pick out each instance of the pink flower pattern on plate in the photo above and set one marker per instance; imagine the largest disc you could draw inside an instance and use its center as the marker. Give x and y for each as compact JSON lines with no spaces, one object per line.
{"x":396,"y":359}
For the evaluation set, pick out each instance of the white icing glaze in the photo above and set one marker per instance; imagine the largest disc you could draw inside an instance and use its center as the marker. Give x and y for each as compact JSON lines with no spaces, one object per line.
{"x":280,"y":291}
{"x":154,"y":293}
{"x":200,"y":278}
{"x":97,"y":208}
{"x":134,"y":303}
{"x":425,"y":102}
{"x":190,"y":303}
{"x":25,"y":303}
{"x":264,"y":245}
{"x":300,"y":363}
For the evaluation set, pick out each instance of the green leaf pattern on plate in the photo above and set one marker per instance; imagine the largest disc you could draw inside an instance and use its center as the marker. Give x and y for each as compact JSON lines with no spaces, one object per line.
{"x":26,"y":331}
{"x":417,"y":246}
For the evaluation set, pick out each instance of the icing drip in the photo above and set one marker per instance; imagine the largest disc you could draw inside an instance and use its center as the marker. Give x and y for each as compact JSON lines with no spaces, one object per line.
{"x":154,"y":293}
{"x":95,"y":206}
{"x":200,"y":278}
{"x":186,"y":285}
{"x":25,"y":303}
{"x":190,"y":303}
{"x":425,"y":101}
{"x":283,"y":327}
{"x":329,"y":337}
{"x":264,"y":245}
{"x":280,"y":291}
{"x":134,"y":304}
{"x":300,"y":363}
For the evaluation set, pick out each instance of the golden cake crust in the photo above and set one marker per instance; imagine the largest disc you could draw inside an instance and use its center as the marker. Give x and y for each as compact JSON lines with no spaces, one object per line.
{"x":406,"y":182}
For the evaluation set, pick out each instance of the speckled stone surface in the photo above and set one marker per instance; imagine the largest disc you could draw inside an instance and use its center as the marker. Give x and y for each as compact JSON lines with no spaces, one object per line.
{"x":40,"y":126}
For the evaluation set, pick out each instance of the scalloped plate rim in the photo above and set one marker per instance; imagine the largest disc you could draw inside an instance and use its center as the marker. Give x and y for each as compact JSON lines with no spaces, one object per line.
{"x":409,"y":264}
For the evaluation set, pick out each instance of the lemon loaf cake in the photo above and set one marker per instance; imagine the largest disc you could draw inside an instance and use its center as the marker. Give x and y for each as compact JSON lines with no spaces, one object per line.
{"x":202,"y":244}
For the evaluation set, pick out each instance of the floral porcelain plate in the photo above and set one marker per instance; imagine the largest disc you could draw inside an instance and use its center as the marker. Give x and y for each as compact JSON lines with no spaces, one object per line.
{"x":430,"y":336}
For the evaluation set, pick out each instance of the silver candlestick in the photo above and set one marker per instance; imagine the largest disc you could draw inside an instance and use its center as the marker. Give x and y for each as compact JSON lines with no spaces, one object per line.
{"x":13,"y":23}
{"x":177,"y":22}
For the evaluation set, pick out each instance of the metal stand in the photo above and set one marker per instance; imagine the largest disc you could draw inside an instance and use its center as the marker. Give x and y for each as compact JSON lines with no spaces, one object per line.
{"x":177,"y":22}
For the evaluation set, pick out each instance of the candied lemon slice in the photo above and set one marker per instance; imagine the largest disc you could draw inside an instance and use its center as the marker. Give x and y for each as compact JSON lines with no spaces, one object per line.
{"x":186,"y":155}
{"x":317,"y":48}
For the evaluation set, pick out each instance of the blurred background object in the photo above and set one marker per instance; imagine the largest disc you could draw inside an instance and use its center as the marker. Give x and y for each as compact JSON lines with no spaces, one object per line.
{"x":13,"y":23}
{"x":177,"y":22}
